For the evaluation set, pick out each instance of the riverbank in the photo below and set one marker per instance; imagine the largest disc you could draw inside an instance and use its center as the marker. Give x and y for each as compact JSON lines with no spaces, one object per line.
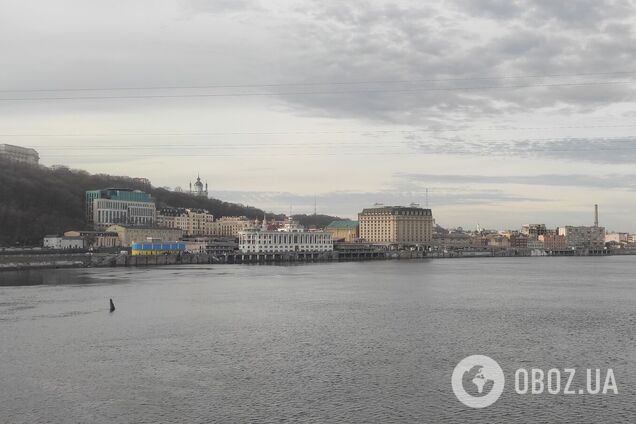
{"x":102,"y":260}
{"x":96,"y":260}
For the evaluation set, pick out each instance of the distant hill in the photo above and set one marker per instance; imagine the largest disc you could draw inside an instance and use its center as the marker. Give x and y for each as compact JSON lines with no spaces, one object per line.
{"x":36,"y":201}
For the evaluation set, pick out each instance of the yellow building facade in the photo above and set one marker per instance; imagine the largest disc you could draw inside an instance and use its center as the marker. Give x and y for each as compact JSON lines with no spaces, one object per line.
{"x":396,"y":225}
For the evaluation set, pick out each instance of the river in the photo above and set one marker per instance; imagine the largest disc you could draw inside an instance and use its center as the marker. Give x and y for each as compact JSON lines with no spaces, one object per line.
{"x":351,"y":342}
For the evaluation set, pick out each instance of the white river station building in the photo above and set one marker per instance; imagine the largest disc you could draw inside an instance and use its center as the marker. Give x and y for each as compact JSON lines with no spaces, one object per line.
{"x":291,"y":238}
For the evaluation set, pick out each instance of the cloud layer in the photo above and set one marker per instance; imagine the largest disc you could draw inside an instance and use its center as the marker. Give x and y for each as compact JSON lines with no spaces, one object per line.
{"x":525,"y":107}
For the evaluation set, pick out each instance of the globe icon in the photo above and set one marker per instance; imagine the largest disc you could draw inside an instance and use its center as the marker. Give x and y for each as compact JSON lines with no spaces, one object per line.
{"x":477,"y":382}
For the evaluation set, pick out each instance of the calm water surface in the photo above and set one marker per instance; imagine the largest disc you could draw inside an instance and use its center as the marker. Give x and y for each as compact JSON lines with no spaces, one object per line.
{"x":320,"y":343}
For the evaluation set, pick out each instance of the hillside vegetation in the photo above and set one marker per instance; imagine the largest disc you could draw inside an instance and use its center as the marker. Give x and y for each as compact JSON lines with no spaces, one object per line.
{"x":36,"y":201}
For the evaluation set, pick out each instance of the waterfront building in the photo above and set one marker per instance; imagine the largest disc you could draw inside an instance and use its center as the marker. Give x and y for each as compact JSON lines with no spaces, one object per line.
{"x":151,"y":248}
{"x":130,"y":234}
{"x":19,"y":154}
{"x":553,"y":241}
{"x":96,"y":239}
{"x":230,"y":226}
{"x":119,"y":206}
{"x":519,"y":241}
{"x":63,"y":242}
{"x":583,"y":237}
{"x":193,"y":222}
{"x":397,"y":225}
{"x":291,"y":238}
{"x":479,"y":241}
{"x":198,"y":190}
{"x":346,"y":231}
{"x":533,"y":230}
{"x":535,"y":244}
{"x":617,"y":238}
{"x":211,"y":246}
{"x":497,"y":240}
{"x":451,"y":240}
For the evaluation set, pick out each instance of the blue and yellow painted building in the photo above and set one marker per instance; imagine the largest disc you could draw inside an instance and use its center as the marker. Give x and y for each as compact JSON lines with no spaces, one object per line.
{"x":143,"y":249}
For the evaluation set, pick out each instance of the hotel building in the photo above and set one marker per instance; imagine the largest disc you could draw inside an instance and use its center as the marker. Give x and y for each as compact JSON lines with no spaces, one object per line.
{"x":397,"y":225}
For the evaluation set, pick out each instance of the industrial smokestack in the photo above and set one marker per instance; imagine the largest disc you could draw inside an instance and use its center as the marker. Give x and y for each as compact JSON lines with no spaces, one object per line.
{"x":596,"y":215}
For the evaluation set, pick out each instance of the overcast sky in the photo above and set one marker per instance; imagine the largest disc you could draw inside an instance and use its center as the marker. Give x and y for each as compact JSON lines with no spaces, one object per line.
{"x":509,"y":112}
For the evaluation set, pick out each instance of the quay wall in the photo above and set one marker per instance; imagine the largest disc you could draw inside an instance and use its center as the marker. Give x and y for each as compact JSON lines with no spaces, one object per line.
{"x":91,"y":260}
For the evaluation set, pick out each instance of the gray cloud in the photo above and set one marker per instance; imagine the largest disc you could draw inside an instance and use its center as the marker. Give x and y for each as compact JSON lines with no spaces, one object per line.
{"x":363,"y":41}
{"x":367,"y":65}
{"x":346,"y":203}
{"x":219,"y":6}
{"x":584,"y":13}
{"x":618,"y":150}
{"x":608,"y":181}
{"x":355,"y":41}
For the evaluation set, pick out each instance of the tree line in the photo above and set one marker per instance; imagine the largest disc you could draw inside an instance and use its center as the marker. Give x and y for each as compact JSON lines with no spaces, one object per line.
{"x":36,"y":201}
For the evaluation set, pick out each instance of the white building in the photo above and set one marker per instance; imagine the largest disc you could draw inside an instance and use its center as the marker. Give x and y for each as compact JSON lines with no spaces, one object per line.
{"x":63,"y":242}
{"x":291,"y":238}
{"x":19,"y":154}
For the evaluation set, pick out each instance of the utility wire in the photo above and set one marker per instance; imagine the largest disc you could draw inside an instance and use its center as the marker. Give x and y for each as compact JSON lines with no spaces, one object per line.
{"x":301,"y":145}
{"x":514,"y":151}
{"x":233,"y":133}
{"x":314,"y":83}
{"x":336,"y":92}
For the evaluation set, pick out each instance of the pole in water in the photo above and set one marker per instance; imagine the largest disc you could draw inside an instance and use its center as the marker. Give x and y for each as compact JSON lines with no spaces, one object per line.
{"x":112,"y":305}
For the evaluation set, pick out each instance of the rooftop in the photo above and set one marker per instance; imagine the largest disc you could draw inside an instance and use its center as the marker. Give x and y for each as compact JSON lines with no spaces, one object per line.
{"x":343,"y":225}
{"x":396,"y":210}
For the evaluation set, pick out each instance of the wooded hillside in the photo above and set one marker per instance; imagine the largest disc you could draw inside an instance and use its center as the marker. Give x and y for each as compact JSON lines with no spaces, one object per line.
{"x":36,"y":201}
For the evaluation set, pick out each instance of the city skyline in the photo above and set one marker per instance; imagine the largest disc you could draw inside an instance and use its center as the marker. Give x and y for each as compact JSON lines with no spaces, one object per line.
{"x":344,"y":106}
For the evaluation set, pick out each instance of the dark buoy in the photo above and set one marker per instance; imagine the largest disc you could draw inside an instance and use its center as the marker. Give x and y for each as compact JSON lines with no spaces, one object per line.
{"x":112,"y":305}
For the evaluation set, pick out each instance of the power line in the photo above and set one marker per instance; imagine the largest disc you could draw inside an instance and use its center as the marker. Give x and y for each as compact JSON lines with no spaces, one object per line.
{"x":303,"y":145}
{"x":234,"y":133}
{"x":337,"y":92}
{"x":380,"y":153}
{"x":314,"y":83}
